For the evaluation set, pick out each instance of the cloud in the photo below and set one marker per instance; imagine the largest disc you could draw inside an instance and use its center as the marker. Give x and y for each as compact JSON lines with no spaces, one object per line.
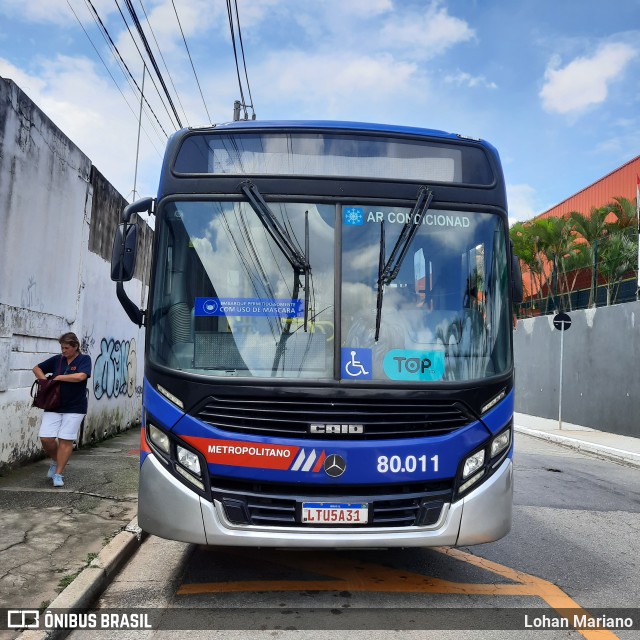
{"x":584,"y":81}
{"x":425,"y":35}
{"x":331,"y":84}
{"x":31,"y":85}
{"x":466,"y":79}
{"x":521,"y":203}
{"x":49,"y":11}
{"x":371,"y":26}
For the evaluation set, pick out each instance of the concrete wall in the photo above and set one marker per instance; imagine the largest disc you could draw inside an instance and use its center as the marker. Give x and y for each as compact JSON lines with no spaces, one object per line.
{"x":57,"y":215}
{"x":601,"y":368}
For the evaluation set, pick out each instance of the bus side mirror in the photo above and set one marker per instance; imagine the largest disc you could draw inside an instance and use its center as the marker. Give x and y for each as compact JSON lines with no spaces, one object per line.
{"x":123,"y":258}
{"x":516,"y":279}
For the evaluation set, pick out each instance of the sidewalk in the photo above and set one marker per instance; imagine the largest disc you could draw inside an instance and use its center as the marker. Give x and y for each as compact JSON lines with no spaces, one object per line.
{"x":52,"y":541}
{"x":610,"y":446}
{"x":49,"y":535}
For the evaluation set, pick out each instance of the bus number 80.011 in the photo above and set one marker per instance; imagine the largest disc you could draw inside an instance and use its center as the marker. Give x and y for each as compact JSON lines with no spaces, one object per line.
{"x":409,"y":464}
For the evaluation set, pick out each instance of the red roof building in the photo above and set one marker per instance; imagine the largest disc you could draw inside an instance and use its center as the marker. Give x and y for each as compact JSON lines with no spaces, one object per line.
{"x":619,"y":183}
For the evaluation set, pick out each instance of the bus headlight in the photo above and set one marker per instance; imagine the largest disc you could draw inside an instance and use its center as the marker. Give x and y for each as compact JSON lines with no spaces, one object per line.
{"x":188,"y":460}
{"x":481,"y":464}
{"x":189,"y":466}
{"x":473,"y":463}
{"x":472,"y":470}
{"x":183,"y":463}
{"x":500,"y":442}
{"x":159,"y":438}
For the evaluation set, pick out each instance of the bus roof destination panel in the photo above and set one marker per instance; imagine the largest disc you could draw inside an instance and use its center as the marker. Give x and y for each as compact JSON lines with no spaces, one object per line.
{"x":332,"y":154}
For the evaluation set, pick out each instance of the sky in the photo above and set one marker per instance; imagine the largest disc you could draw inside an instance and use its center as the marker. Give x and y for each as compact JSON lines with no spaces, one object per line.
{"x":554,"y":85}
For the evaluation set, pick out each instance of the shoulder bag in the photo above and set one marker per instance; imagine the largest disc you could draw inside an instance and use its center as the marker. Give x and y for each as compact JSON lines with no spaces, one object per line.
{"x":46,"y":393}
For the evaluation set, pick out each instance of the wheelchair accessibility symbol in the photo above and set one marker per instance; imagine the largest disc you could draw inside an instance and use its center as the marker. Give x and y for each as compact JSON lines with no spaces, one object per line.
{"x":357,"y":364}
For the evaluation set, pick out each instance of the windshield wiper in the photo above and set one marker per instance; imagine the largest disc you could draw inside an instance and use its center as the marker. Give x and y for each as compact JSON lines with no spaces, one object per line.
{"x":307,"y":271}
{"x":380,"y":285}
{"x":299,"y":261}
{"x":279,"y":234}
{"x":388,"y":273}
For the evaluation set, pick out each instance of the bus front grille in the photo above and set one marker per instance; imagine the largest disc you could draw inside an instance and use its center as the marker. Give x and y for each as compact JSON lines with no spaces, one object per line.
{"x":330,"y":418}
{"x":406,"y":508}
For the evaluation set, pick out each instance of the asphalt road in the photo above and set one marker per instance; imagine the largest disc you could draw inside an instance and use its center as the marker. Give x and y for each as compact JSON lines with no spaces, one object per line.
{"x":575,"y":544}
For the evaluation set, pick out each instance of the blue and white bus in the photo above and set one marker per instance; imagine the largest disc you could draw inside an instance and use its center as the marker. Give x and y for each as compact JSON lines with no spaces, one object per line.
{"x":328,"y":355}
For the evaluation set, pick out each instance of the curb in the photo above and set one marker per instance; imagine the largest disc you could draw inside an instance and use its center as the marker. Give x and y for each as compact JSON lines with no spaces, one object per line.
{"x":91,"y":582}
{"x":609,"y":453}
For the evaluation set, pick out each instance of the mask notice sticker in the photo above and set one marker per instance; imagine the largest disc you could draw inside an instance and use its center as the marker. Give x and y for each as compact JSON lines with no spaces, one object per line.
{"x":280,"y":307}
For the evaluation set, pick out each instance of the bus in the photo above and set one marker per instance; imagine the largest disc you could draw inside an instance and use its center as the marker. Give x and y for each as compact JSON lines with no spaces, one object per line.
{"x":328,"y":357}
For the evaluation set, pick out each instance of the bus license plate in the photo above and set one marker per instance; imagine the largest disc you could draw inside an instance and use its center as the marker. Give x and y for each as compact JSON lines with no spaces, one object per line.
{"x":334,"y":513}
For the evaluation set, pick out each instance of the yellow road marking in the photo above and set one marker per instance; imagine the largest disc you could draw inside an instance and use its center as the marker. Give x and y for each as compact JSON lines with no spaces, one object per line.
{"x":362,"y":576}
{"x":549,"y":592}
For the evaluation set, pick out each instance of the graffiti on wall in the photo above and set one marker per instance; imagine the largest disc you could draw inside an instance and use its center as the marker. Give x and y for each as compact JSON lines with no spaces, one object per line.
{"x":87,"y":343}
{"x":114,"y":371}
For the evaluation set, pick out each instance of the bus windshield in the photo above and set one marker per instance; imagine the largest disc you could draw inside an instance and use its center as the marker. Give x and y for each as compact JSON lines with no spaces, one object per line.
{"x":227,"y":302}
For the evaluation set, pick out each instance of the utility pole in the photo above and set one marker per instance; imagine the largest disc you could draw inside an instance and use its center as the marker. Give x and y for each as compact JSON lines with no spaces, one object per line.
{"x":135,"y":174}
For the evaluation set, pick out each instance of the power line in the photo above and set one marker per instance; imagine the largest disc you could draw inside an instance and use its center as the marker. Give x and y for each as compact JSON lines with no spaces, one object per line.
{"x":243,"y":103}
{"x":244,"y":62}
{"x":191,"y":60}
{"x":110,"y":74}
{"x":152,"y":59}
{"x":142,"y":58}
{"x":164,"y":61}
{"x":114,"y":48}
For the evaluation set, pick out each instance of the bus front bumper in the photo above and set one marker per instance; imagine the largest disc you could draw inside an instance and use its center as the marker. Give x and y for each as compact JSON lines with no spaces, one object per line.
{"x":169,"y":509}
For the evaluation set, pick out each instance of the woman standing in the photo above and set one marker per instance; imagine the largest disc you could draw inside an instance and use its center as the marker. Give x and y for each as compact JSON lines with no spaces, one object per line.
{"x":59,"y":428}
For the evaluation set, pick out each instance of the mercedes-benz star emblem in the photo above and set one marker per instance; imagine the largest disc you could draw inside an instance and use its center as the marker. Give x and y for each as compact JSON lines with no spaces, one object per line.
{"x":334,"y":465}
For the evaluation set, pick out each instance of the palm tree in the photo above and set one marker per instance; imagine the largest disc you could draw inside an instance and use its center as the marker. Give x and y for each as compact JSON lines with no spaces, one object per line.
{"x":593,"y":230}
{"x":555,"y":243}
{"x":618,"y":258}
{"x":577,"y":260}
{"x":625,"y":212}
{"x":523,"y":247}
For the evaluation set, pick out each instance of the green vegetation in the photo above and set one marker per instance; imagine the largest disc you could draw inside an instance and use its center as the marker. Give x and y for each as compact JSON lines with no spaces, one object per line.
{"x":554,"y":252}
{"x":65,"y":581}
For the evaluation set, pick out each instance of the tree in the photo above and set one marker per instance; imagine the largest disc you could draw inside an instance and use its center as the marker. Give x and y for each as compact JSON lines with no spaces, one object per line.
{"x":593,"y":230}
{"x":625,"y":212}
{"x":577,"y":260}
{"x":523,"y":247}
{"x":618,"y":257}
{"x":555,"y":243}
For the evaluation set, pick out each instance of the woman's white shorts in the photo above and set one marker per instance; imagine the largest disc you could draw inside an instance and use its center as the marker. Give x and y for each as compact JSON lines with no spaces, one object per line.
{"x":60,"y":425}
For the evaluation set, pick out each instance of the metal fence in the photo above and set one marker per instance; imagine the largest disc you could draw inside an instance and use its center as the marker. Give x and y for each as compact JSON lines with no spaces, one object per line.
{"x":626,"y":291}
